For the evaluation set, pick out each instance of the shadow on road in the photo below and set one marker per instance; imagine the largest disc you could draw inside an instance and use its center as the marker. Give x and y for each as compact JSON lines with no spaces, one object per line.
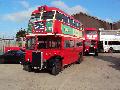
{"x":115,"y":62}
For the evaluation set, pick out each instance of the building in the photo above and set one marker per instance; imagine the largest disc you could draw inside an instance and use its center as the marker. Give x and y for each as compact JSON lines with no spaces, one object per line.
{"x":90,"y":21}
{"x":116,"y":25}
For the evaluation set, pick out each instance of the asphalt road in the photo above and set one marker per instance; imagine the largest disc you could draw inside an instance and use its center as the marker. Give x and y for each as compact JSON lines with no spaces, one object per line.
{"x":94,"y":73}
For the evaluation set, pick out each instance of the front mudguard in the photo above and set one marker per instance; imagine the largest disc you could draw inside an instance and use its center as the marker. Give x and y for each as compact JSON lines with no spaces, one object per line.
{"x":52,"y":61}
{"x":23,"y":62}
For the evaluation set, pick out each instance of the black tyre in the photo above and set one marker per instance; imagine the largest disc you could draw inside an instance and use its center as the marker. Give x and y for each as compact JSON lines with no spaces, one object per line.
{"x":80,"y":59}
{"x":111,"y":50}
{"x":2,"y":61}
{"x":56,"y":68}
{"x":96,"y":53}
{"x":27,"y":68}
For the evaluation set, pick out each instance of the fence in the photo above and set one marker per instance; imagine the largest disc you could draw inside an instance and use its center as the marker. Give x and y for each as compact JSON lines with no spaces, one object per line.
{"x":6,"y":43}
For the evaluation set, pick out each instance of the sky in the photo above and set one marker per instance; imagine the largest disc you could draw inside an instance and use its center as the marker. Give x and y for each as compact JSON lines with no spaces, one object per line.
{"x":16,"y":13}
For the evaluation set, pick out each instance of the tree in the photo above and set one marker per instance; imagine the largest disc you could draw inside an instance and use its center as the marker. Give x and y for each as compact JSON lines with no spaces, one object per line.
{"x":20,"y":37}
{"x":21,"y":33}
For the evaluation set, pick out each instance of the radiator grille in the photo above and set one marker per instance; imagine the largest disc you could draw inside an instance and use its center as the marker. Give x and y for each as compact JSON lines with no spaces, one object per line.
{"x":92,"y":49}
{"x":36,"y":59}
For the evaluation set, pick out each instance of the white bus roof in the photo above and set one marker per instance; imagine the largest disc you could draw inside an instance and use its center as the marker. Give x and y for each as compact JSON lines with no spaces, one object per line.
{"x":109,"y":38}
{"x":110,"y":32}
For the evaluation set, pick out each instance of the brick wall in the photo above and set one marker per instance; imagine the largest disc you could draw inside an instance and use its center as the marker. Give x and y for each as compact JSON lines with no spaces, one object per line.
{"x":89,"y":21}
{"x":116,"y":25}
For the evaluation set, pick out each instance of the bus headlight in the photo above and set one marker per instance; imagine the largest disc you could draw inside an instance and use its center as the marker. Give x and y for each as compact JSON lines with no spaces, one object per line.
{"x":28,"y":59}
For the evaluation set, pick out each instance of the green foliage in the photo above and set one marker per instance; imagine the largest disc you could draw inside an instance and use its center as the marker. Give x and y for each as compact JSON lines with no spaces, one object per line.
{"x":21,"y":33}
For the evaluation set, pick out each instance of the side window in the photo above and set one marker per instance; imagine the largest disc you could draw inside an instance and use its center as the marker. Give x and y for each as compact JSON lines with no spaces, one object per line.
{"x":71,"y":43}
{"x":79,"y":44}
{"x":59,"y":16}
{"x":105,"y":42}
{"x":71,"y":21}
{"x":42,"y":44}
{"x":65,"y":19}
{"x":67,"y":44}
{"x":109,"y":43}
{"x":55,"y":43}
{"x":78,"y":25}
{"x":75,"y":24}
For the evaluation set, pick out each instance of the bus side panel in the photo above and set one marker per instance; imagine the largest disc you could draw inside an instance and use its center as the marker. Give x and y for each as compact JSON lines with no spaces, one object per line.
{"x":68,"y":57}
{"x":57,"y":27}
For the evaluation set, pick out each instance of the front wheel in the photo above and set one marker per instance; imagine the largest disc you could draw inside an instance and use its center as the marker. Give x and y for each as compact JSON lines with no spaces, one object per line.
{"x":56,"y":68}
{"x":110,"y":50}
{"x":80,"y":59}
{"x":2,"y":61}
{"x":96,"y":53}
{"x":27,"y":68}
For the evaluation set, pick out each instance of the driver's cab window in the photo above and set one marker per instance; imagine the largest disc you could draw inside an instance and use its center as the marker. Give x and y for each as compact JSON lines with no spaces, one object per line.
{"x":31,"y":42}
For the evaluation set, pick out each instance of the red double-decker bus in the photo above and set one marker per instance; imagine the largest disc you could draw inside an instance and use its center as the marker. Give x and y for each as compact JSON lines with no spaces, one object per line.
{"x":91,"y":41}
{"x":54,"y":40}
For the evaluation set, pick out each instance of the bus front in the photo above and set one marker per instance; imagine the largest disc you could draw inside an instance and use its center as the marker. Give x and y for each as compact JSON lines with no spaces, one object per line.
{"x":42,"y":43}
{"x":54,"y":40}
{"x":91,"y":41}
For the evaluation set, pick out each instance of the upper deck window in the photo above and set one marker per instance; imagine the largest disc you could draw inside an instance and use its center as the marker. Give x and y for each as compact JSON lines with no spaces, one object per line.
{"x":71,"y":21}
{"x":35,"y":17}
{"x":75,"y":24}
{"x":78,"y":24}
{"x":65,"y":19}
{"x":59,"y":16}
{"x":89,"y":43}
{"x":91,"y":32}
{"x":48,"y":15}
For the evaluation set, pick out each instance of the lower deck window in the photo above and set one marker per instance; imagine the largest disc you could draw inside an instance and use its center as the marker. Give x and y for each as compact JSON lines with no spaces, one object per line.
{"x":48,"y":42}
{"x":113,"y":42}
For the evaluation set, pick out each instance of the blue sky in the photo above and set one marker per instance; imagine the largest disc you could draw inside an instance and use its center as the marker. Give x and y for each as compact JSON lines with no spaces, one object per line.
{"x":15,"y":13}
